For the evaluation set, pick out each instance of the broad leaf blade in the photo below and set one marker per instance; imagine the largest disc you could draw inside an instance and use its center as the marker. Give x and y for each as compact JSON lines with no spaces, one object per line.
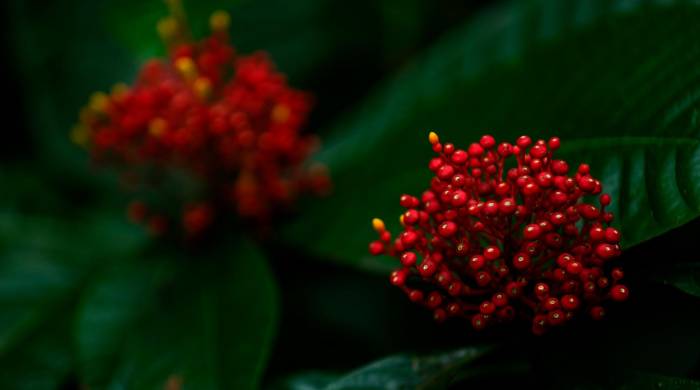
{"x":683,"y":276}
{"x":44,"y":265}
{"x":211,"y":327}
{"x":45,"y":262}
{"x":607,"y":77}
{"x":639,"y":380}
{"x":44,"y":360}
{"x":113,"y":303}
{"x":409,"y":372}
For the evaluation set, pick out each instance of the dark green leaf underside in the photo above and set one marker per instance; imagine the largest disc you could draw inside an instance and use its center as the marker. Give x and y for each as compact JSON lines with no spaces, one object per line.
{"x":44,"y":266}
{"x":209,"y":326}
{"x":643,"y":381}
{"x":617,"y":81}
{"x":409,"y":372}
{"x":683,"y":276}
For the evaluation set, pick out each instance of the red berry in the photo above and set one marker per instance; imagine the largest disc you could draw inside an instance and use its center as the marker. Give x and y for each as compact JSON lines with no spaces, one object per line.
{"x":415,"y":295}
{"x":588,"y":211}
{"x":564,"y":259}
{"x":539,"y":325}
{"x":556,"y":317}
{"x":462,"y":248}
{"x":550,"y":303}
{"x":478,"y":321}
{"x":612,"y":235}
{"x":434,"y":299}
{"x":483,"y":278}
{"x":487,"y":307}
{"x":447,"y":229}
{"x":523,"y":142}
{"x":554,"y":143}
{"x":408,"y":238}
{"x":586,"y":183}
{"x":513,"y":290}
{"x":490,"y":208}
{"x":574,"y":268}
{"x":488,"y":141}
{"x":477,"y":262}
{"x":454,"y":289}
{"x":439,"y":315}
{"x":541,"y":290}
{"x":453,"y":309}
{"x":506,"y":313}
{"x":499,"y":299}
{"x":538,"y":151}
{"x":408,"y":259}
{"x":445,"y":172}
{"x":376,"y":248}
{"x":492,"y":253}
{"x":507,"y":206}
{"x":505,"y":149}
{"x":459,"y":157}
{"x":459,"y":198}
{"x":427,"y":268}
{"x":532,"y":231}
{"x":560,"y":167}
{"x":531,"y":189}
{"x":544,"y":179}
{"x":605,"y":251}
{"x":570,"y":302}
{"x":475,"y":150}
{"x":398,"y":278}
{"x":617,"y":274}
{"x":406,"y":201}
{"x":597,"y":312}
{"x":596,"y":233}
{"x":410,"y":217}
{"x":521,"y":261}
{"x":444,"y":278}
{"x":619,"y":292}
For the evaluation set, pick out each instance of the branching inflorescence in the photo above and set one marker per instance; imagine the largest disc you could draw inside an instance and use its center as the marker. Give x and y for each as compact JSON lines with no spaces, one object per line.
{"x":229,"y":121}
{"x":491,"y":242}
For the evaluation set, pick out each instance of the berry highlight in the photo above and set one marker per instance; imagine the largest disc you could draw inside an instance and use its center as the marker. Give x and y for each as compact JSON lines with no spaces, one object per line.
{"x":506,"y":231}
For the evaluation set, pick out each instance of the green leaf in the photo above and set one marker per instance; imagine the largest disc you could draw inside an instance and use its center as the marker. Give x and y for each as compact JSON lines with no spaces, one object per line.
{"x":44,"y":265}
{"x":642,"y":381}
{"x":683,"y":276}
{"x":210,"y":327}
{"x":617,"y":81}
{"x":409,"y":372}
{"x":109,"y":307}
{"x":44,"y":361}
{"x":63,"y":54}
{"x":307,"y":381}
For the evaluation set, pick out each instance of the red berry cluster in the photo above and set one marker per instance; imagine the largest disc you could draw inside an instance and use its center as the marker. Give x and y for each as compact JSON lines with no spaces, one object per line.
{"x":505,"y":232}
{"x":230,"y":121}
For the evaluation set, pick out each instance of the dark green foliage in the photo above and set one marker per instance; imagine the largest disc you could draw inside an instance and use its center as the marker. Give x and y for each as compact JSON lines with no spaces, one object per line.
{"x":87,"y":299}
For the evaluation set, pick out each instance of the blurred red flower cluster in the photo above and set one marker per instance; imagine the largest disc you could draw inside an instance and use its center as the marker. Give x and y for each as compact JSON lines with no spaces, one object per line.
{"x":229,"y":121}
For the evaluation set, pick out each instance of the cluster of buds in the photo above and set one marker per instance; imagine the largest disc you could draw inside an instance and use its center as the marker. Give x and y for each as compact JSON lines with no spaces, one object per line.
{"x":492,"y":241}
{"x":228,"y":121}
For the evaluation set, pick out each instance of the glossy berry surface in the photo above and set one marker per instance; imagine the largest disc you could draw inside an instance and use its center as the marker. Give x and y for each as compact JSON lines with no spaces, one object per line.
{"x":507,"y":231}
